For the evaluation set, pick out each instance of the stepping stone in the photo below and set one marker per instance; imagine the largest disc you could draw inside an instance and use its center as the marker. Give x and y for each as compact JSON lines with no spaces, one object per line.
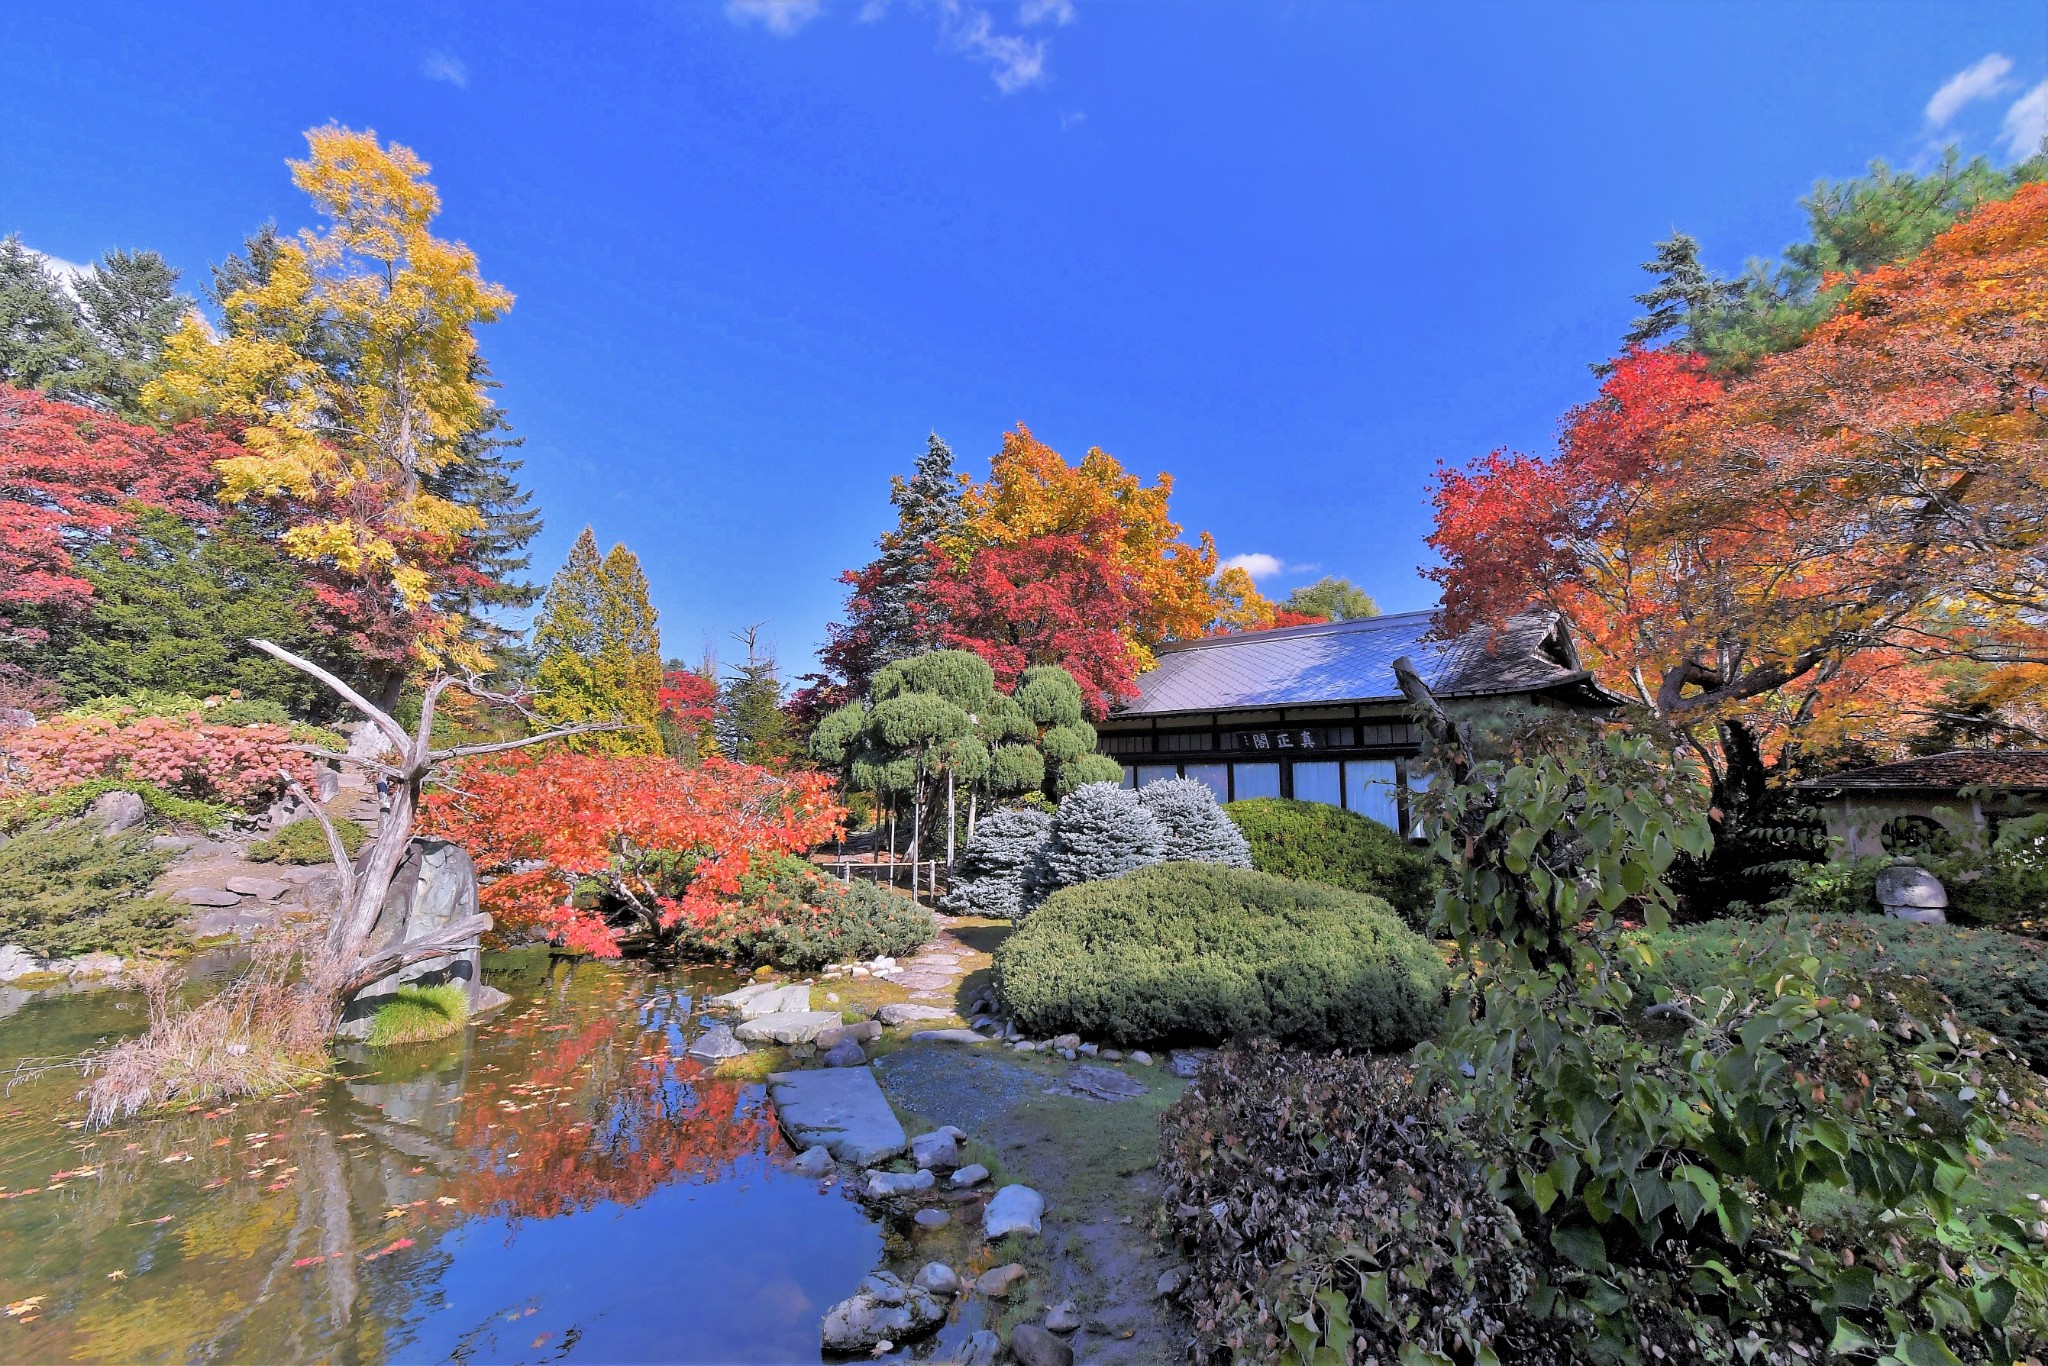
{"x":840,"y":1107}
{"x":906,"y":1014}
{"x":948,"y":1036}
{"x":1105,"y":1083}
{"x":207,"y":896}
{"x":262,"y":888}
{"x":715,"y":1044}
{"x":785,"y":1027}
{"x":777,"y":1001}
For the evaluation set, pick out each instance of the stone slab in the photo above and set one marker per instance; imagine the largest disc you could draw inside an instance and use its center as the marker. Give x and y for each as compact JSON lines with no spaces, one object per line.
{"x":792,"y":1026}
{"x":907,"y":1014}
{"x":948,"y":1036}
{"x":789,"y":1000}
{"x":841,"y":1108}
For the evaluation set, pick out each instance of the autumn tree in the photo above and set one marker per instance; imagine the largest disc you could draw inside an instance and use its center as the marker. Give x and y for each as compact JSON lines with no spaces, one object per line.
{"x":686,"y":708}
{"x":599,"y":650}
{"x":348,"y":365}
{"x":1788,"y":554}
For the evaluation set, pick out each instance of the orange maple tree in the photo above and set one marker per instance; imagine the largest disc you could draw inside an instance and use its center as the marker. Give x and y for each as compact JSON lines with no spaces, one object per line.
{"x":1810,"y":548}
{"x":660,"y":841}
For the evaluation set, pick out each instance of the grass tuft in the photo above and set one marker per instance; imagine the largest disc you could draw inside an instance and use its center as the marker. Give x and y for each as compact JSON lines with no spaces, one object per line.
{"x":419,"y":1015}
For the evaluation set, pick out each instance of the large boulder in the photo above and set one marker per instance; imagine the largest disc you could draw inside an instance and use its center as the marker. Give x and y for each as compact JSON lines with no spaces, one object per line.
{"x":114,"y":812}
{"x":435,"y":886}
{"x":883,"y":1310}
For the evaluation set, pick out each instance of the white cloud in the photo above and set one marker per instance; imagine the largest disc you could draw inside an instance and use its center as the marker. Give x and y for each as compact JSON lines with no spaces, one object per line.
{"x":1978,"y":81}
{"x":1014,"y":61}
{"x":1059,"y":12}
{"x":1072,"y":121}
{"x":1258,"y":564}
{"x":2026,"y":123}
{"x":780,"y":17}
{"x":439,"y":66}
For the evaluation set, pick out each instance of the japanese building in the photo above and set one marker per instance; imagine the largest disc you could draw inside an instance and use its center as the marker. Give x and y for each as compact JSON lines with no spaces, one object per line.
{"x":1314,"y":713}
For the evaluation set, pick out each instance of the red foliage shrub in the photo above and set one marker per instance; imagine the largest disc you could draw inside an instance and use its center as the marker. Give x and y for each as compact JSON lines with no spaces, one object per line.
{"x":239,"y":765}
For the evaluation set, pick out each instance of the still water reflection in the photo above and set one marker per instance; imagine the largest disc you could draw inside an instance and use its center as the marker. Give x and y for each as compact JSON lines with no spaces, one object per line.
{"x":557,"y":1182}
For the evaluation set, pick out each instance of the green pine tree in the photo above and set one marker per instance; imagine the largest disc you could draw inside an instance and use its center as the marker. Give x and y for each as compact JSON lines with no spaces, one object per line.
{"x":129,"y":303}
{"x":750,"y":724}
{"x":599,"y":650}
{"x":43,"y":341}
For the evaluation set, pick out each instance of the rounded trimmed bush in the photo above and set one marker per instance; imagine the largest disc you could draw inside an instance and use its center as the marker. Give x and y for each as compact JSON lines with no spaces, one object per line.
{"x":1200,"y":952}
{"x":1314,"y":842}
{"x":1100,"y":831}
{"x":1194,"y":826}
{"x":990,"y":880}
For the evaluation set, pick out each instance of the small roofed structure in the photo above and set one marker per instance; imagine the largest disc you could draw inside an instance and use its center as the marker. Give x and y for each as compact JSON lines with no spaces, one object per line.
{"x":1314,"y":713}
{"x":1965,"y":792}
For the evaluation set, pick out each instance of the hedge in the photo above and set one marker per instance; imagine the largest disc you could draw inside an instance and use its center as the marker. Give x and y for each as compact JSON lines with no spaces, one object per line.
{"x":1315,"y":842}
{"x":1188,"y":952}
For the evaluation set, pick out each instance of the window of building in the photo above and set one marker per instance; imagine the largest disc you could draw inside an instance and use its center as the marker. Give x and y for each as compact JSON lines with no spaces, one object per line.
{"x":1372,"y":789}
{"x":1319,"y":782}
{"x":1418,"y":781}
{"x":1255,"y":780}
{"x":1152,"y":773}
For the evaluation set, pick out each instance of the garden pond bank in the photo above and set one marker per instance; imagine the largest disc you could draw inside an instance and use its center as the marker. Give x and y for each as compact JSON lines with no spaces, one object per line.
{"x":557,"y":1181}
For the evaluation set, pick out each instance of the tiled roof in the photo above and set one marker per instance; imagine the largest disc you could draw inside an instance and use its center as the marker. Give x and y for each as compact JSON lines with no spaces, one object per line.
{"x":1353,"y":661}
{"x":1955,"y":769}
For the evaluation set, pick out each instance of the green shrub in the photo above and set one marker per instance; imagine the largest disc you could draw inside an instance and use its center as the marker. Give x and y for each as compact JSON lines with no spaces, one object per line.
{"x":70,"y":802}
{"x":1314,"y":842}
{"x":417,"y":1014}
{"x":1997,"y":982}
{"x":1838,"y":888}
{"x":1198,"y":951}
{"x":2004,"y":887}
{"x":69,"y":890}
{"x":214,"y":711}
{"x":790,"y":916}
{"x":303,"y":841}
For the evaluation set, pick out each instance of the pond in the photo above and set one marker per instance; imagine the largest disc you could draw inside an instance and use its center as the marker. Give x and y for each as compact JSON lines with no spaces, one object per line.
{"x":558,"y":1181}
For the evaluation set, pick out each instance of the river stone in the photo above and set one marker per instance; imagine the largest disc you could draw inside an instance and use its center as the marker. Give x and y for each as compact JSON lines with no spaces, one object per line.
{"x":206,"y":896}
{"x":938,"y":1278}
{"x":715,"y":1044}
{"x":1067,"y":1041}
{"x":114,"y":812}
{"x":93,"y":965}
{"x":970,"y":1176}
{"x":1063,"y":1317}
{"x":845,"y":1053}
{"x":882,"y":1310}
{"x":16,"y":961}
{"x":794,"y":1026}
{"x":889,"y":1185}
{"x":1187,"y":1062}
{"x":900,"y":1013}
{"x":935,"y":1150}
{"x":996,"y":1283}
{"x":933,"y":1218}
{"x":1032,"y":1345}
{"x":1105,"y":1083}
{"x":814,"y":1162}
{"x":981,"y":1349}
{"x":867,"y":1031}
{"x":434,"y":887}
{"x":789,"y":1000}
{"x":262,"y":888}
{"x":947,"y":1036}
{"x":841,"y":1108}
{"x":1015,"y":1209}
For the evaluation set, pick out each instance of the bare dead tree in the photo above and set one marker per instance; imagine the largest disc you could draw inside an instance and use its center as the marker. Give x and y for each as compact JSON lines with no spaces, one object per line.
{"x":345,"y":966}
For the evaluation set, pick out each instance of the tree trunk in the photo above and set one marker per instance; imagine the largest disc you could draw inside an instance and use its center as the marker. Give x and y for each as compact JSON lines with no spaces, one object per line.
{"x":950,"y":818}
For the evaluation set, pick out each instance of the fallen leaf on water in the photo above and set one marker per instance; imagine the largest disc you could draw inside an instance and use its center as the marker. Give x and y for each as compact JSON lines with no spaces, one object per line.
{"x":117,"y":1275}
{"x":446,"y":1200}
{"x":27,"y":1306}
{"x":310,"y":1261}
{"x":356,"y":1135}
{"x":541,"y":1341}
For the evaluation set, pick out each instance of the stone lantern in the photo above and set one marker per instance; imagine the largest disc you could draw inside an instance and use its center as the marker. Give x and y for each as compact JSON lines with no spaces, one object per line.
{"x":1910,"y":892}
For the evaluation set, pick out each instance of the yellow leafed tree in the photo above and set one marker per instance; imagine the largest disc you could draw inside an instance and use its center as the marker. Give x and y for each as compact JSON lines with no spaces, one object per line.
{"x":350,"y":368}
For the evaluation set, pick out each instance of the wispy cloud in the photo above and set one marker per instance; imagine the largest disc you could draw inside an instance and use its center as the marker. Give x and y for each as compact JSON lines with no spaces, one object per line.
{"x":1069,"y":122}
{"x":1014,"y":61}
{"x":439,"y":66}
{"x":2026,"y":123}
{"x":1978,"y":81}
{"x":780,"y":17}
{"x":1059,"y":12}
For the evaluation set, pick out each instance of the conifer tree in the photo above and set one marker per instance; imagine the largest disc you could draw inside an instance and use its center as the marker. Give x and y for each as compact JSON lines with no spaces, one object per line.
{"x":1194,"y":827}
{"x":43,"y":343}
{"x":599,"y":650}
{"x":751,"y":725}
{"x":129,"y":304}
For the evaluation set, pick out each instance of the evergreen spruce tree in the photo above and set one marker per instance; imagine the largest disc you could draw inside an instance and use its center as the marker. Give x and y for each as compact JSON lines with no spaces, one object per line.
{"x":887,"y":615}
{"x":129,"y":303}
{"x":599,"y":650}
{"x":486,"y":482}
{"x":990,"y":878}
{"x":1195,"y":828}
{"x":1685,"y":296}
{"x":1100,"y":831}
{"x":751,"y":725}
{"x":43,"y":341}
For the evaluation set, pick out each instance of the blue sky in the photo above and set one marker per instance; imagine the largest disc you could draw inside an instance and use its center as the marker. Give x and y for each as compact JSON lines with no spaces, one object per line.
{"x":1293,"y":253}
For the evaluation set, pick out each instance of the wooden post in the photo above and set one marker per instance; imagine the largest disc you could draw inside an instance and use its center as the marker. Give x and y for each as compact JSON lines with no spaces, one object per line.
{"x":949,"y":818}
